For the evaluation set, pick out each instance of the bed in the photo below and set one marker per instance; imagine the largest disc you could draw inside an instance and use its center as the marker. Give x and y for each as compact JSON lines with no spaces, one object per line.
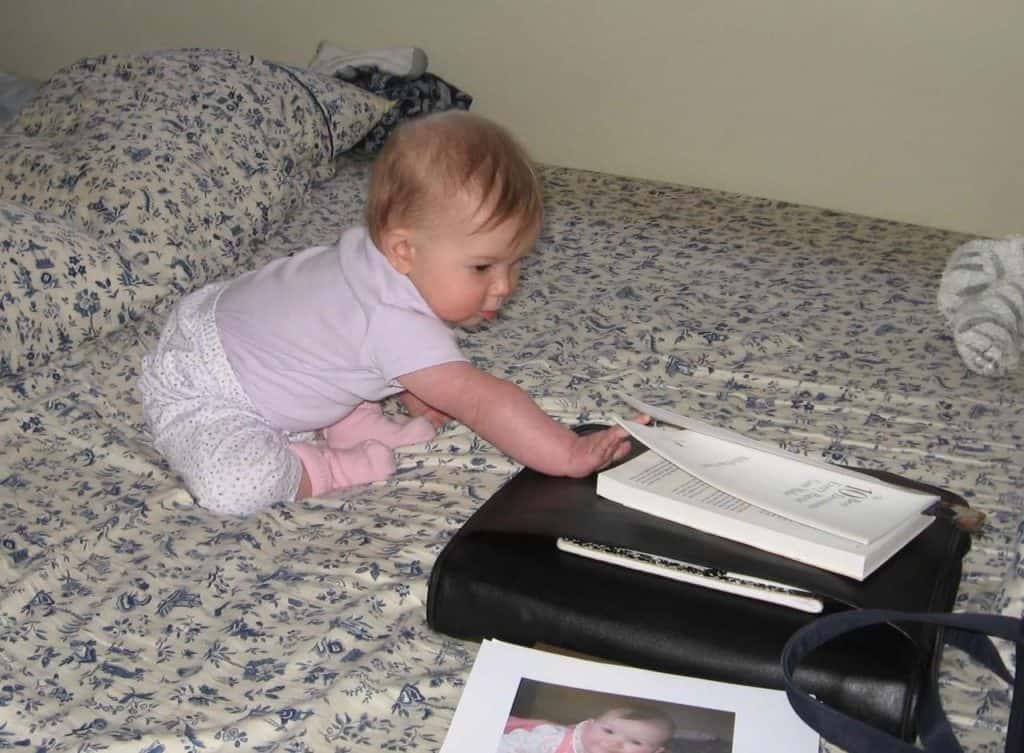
{"x":132,"y":620}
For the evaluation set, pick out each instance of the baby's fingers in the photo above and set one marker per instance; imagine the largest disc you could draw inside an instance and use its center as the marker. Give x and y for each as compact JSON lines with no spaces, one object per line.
{"x":622,"y":449}
{"x":614,"y":445}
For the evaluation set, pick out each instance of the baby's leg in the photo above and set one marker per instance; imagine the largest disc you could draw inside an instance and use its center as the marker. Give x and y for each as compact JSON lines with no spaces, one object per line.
{"x":327,"y":469}
{"x":238,"y":465}
{"x":367,"y":421}
{"x":241,"y":466}
{"x":230,"y":459}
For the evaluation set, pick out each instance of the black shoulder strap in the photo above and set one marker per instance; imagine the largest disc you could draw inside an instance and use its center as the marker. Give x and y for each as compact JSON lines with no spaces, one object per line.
{"x":968,"y":632}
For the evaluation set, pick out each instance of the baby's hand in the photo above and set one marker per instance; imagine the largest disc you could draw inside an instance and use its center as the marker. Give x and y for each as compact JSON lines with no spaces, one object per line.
{"x":417,"y":407}
{"x":599,"y":449}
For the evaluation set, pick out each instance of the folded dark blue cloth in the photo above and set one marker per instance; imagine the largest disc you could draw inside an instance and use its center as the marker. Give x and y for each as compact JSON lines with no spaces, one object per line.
{"x":412,"y":97}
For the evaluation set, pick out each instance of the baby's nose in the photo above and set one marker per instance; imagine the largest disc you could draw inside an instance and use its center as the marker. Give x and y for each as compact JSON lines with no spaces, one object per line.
{"x":502,"y":284}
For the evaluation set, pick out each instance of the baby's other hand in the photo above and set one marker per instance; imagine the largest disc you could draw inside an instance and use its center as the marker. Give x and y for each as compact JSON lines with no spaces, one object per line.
{"x":417,"y":407}
{"x":436,"y":417}
{"x":599,"y":449}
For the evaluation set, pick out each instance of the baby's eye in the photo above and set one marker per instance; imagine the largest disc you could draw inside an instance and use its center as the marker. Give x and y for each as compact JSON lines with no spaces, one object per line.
{"x":481,"y":267}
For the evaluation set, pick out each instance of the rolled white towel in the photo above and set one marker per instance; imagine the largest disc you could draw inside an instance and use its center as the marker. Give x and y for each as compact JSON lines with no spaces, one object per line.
{"x":331,"y":60}
{"x":982,"y":297}
{"x":986,"y":336}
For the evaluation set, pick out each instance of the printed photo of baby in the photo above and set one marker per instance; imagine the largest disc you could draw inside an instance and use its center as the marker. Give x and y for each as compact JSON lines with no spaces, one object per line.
{"x":549,"y":718}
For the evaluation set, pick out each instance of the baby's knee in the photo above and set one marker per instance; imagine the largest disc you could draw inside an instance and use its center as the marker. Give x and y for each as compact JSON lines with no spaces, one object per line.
{"x":238,"y":492}
{"x":241,"y":477}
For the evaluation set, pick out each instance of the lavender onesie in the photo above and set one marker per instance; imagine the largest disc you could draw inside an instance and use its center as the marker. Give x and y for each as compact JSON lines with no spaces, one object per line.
{"x":243,"y":367}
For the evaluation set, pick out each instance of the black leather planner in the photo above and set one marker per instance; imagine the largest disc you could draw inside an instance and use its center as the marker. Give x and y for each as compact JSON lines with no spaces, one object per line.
{"x":502,"y":576}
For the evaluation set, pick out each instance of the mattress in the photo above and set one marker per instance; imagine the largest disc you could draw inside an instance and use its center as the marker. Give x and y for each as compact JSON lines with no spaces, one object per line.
{"x":132,"y":620}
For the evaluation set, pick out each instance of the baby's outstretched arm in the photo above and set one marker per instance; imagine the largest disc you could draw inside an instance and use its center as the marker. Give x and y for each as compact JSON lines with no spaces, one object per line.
{"x":506,"y":416}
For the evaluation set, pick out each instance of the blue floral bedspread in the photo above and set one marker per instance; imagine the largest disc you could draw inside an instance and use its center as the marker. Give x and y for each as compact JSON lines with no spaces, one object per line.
{"x":132,"y":620}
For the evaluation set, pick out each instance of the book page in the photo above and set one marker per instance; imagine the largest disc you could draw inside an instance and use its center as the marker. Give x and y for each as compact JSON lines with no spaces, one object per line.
{"x":854,"y":508}
{"x":666,"y":416}
{"x":520,"y":699}
{"x":668,"y":479}
{"x":651,"y":472}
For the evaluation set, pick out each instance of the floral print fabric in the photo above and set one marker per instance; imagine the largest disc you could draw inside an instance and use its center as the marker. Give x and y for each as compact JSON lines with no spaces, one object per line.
{"x":133,"y":621}
{"x":130,"y":179}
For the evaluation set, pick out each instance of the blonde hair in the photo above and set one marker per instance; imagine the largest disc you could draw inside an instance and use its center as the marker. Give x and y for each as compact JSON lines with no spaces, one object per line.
{"x":429,"y":159}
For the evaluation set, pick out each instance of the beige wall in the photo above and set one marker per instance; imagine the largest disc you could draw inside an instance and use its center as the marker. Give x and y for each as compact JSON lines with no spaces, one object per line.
{"x":905,"y":109}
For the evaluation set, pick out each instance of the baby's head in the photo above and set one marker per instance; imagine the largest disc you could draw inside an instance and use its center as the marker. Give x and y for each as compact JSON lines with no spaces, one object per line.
{"x":628,"y":729}
{"x":455,"y":204}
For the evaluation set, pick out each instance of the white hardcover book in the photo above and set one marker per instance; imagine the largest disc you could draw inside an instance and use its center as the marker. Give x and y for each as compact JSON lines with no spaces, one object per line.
{"x":655,"y":486}
{"x":833,"y":499}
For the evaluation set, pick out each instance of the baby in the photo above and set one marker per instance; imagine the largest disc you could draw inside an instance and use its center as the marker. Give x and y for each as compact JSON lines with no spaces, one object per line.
{"x":250,"y":374}
{"x":618,"y":730}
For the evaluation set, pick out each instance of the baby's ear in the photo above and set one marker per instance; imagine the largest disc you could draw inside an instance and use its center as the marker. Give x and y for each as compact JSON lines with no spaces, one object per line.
{"x":397,"y":249}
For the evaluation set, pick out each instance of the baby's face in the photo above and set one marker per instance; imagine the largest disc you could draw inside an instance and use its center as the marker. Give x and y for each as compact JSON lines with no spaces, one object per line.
{"x":465,"y":274}
{"x":610,"y":733}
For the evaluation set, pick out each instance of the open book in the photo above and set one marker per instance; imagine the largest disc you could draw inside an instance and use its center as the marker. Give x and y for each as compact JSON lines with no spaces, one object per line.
{"x":520,"y":700}
{"x":728,"y":485}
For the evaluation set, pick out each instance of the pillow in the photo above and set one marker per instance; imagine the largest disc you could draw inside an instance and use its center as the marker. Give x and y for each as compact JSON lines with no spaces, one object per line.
{"x":228,"y":124}
{"x":350,"y":111}
{"x":60,"y":287}
{"x":167,"y":168}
